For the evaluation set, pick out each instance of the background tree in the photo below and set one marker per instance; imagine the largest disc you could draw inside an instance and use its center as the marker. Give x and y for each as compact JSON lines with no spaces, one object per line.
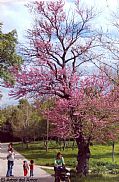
{"x":45,"y":126}
{"x":2,"y":118}
{"x":5,"y":125}
{"x":21,"y":121}
{"x":8,"y":55}
{"x":113,"y":75}
{"x":27,"y":123}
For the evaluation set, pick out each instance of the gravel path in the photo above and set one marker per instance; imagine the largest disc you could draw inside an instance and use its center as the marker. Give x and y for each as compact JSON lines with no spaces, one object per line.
{"x":18,"y":169}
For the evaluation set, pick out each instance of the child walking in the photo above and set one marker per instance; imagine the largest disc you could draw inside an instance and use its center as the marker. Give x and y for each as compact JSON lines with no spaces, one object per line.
{"x":31,"y":167}
{"x":25,"y":168}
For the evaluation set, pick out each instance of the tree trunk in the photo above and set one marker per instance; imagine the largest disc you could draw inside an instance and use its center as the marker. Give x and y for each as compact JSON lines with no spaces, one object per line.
{"x":44,"y":142}
{"x":46,"y":145}
{"x":60,"y":143}
{"x":47,"y":135}
{"x":27,"y":145}
{"x":113,"y":152}
{"x":82,"y":144}
{"x":83,"y":156}
{"x":64,"y":144}
{"x":73,"y":144}
{"x":34,"y":138}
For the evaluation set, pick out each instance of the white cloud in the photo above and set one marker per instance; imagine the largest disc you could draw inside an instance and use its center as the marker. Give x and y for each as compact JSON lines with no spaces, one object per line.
{"x":6,"y":100}
{"x":19,"y":2}
{"x":101,"y":4}
{"x":15,"y":16}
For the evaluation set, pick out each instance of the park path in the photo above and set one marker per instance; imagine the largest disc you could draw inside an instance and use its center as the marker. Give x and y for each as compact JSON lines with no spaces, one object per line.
{"x":18,"y":169}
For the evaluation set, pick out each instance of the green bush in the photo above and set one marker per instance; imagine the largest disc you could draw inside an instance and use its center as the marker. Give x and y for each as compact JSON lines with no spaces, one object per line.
{"x":114,"y":171}
{"x":99,"y":170}
{"x":101,"y":167}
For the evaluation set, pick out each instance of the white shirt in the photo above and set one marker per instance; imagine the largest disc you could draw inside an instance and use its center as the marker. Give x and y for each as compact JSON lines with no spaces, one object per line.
{"x":10,"y":156}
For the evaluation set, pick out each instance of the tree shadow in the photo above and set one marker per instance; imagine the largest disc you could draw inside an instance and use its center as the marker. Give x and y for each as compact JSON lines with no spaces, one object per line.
{"x":104,"y":155}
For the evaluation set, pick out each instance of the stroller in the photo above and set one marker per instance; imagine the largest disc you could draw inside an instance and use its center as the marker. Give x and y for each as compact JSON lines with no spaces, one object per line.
{"x":62,"y":174}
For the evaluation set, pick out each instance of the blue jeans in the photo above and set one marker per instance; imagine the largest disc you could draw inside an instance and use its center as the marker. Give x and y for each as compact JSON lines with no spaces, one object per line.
{"x":10,"y":166}
{"x":31,"y":172}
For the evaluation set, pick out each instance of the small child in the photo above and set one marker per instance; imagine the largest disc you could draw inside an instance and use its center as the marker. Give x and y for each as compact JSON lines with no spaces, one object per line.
{"x":25,"y":168}
{"x":31,"y":167}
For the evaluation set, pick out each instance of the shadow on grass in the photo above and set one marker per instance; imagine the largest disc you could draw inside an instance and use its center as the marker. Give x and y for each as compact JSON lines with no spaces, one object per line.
{"x":41,"y":148}
{"x":40,"y":151}
{"x":105,"y":155}
{"x":45,"y":155}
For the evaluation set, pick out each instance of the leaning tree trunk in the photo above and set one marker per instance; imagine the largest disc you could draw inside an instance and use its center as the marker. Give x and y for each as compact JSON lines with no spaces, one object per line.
{"x":83,"y":156}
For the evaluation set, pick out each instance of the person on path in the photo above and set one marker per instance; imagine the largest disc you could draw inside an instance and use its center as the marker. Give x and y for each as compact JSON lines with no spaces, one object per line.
{"x":59,"y":161}
{"x":31,"y":168}
{"x":25,"y":168}
{"x":0,"y":145}
{"x":10,"y":162}
{"x":59,"y":168}
{"x":10,"y":146}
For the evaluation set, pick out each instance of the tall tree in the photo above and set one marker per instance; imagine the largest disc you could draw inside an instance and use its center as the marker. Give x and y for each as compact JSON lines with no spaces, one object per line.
{"x":9,"y":58}
{"x":2,"y":117}
{"x":60,"y":43}
{"x":25,"y":121}
{"x":20,"y":120}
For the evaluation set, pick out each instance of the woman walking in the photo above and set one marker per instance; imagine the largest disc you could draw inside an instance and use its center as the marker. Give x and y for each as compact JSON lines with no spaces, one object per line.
{"x":10,"y":161}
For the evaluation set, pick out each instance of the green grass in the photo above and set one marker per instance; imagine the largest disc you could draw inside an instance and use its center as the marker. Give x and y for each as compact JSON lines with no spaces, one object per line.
{"x":90,"y":178}
{"x":100,"y":161}
{"x":50,"y":171}
{"x":37,"y":152}
{"x":101,"y":155}
{"x":100,"y":178}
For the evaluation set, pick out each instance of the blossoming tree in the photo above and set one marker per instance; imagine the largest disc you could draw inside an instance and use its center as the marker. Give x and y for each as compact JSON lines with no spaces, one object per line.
{"x":91,"y":114}
{"x":59,"y":44}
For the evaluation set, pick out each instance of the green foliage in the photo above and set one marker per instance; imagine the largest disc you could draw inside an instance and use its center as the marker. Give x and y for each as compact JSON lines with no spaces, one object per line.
{"x":2,"y":118}
{"x":8,"y":55}
{"x":26,"y":120}
{"x":5,"y":115}
{"x":101,"y":167}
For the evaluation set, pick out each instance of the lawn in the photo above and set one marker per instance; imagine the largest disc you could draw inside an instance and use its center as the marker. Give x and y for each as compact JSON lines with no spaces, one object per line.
{"x":100,"y":161}
{"x":99,"y":154}
{"x":38,"y":153}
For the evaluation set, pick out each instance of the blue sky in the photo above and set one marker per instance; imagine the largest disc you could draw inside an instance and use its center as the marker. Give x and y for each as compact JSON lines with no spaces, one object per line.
{"x":14,"y":15}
